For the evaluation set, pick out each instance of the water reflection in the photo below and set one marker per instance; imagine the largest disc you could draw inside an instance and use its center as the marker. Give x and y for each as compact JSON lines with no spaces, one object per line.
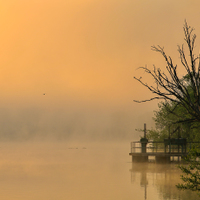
{"x":163,"y":177}
{"x":49,"y":171}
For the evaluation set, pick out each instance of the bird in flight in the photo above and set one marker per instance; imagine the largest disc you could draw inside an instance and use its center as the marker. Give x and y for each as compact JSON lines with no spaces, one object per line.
{"x":44,"y":93}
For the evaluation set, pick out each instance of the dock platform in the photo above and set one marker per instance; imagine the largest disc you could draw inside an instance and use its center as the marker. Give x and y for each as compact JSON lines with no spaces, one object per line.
{"x":162,"y":152}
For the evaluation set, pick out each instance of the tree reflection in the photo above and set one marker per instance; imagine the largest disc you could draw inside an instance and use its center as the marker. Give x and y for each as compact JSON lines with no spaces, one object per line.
{"x":163,"y":177}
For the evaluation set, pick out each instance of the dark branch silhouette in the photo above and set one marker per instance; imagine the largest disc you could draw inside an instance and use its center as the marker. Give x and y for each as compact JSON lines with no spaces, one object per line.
{"x":184,"y":91}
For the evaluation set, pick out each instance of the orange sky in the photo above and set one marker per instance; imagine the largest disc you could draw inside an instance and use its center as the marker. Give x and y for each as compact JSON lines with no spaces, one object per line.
{"x":84,"y":53}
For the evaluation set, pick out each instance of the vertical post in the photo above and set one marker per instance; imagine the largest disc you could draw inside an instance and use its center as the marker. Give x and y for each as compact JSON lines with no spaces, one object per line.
{"x":144,"y":140}
{"x":145,"y":130}
{"x":169,"y":141}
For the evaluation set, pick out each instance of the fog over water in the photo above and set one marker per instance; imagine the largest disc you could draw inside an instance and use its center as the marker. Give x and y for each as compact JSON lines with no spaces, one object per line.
{"x":72,"y":170}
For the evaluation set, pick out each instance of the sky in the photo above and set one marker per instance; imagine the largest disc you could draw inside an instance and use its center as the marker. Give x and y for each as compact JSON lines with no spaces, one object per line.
{"x":83,"y":55}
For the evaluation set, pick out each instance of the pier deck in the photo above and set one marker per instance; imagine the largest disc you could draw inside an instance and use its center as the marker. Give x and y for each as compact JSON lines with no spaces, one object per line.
{"x":161,"y":151}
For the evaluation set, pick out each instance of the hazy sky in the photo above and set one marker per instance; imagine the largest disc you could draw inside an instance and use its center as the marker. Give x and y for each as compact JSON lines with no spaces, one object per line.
{"x":83,"y":54}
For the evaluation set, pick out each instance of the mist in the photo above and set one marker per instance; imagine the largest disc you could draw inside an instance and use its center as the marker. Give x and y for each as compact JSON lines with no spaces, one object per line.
{"x":33,"y":123}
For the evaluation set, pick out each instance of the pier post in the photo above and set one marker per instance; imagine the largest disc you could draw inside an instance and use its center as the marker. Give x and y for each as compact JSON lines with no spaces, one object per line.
{"x":144,"y":141}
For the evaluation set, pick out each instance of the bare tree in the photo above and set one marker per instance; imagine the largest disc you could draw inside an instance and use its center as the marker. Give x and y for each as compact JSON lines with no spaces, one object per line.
{"x":181,"y":91}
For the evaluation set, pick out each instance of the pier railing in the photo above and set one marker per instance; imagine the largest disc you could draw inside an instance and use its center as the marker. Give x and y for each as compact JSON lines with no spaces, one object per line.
{"x":161,"y":147}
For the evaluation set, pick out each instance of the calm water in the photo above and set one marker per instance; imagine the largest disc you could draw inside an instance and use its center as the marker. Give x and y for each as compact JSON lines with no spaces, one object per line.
{"x":62,"y":171}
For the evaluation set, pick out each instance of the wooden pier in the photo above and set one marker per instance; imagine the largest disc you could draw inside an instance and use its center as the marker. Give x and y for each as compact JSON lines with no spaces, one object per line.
{"x":163,"y":152}
{"x":157,"y":157}
{"x":166,"y":151}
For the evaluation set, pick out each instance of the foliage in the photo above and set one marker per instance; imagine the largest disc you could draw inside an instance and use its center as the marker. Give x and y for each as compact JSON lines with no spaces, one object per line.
{"x":165,"y":123}
{"x":191,"y":172}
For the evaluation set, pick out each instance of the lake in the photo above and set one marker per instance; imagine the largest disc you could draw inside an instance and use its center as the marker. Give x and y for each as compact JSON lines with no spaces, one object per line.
{"x":83,"y":171}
